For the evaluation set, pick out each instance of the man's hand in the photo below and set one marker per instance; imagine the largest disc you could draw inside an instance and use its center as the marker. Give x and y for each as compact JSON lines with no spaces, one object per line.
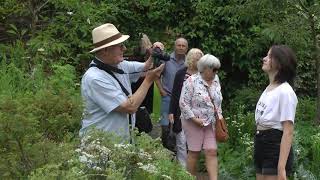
{"x":171,"y":118}
{"x":154,"y":74}
{"x":148,"y":64}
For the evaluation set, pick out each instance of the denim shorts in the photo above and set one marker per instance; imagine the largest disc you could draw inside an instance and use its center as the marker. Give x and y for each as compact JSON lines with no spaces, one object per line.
{"x":267,"y":150}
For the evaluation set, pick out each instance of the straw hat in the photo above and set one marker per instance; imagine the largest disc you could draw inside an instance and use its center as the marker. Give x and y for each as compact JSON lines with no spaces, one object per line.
{"x":106,"y":35}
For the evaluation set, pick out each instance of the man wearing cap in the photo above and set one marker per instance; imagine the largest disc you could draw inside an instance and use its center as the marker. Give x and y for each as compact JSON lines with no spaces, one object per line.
{"x":106,"y":105}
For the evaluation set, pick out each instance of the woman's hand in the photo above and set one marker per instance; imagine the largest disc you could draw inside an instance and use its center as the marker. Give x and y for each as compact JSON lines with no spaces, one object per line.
{"x":163,"y":92}
{"x":171,"y":118}
{"x":282,"y":174}
{"x":198,"y":121}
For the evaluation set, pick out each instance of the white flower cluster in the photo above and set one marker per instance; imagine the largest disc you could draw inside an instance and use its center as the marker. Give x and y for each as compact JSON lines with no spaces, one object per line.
{"x":127,"y":149}
{"x":298,"y":151}
{"x":40,"y":50}
{"x":123,"y":146}
{"x":298,"y":148}
{"x":93,"y":154}
{"x":166,"y":176}
{"x":148,"y":167}
{"x":238,"y":125}
{"x":247,"y":141}
{"x":144,"y":155}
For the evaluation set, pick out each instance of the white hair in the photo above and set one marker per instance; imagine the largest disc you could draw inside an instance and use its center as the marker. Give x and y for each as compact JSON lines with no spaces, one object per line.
{"x":191,"y":55}
{"x":208,"y":61}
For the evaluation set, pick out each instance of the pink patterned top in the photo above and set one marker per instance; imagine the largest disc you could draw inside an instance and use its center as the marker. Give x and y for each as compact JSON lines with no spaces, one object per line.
{"x":195,"y":100}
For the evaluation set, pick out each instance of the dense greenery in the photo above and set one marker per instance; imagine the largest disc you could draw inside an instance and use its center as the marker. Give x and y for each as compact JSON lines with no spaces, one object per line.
{"x":44,"y":51}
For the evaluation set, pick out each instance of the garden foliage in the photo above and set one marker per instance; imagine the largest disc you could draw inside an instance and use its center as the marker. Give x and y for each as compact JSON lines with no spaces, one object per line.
{"x":44,"y":50}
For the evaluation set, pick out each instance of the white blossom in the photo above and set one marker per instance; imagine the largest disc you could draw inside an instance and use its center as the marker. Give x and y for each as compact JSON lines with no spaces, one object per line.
{"x":124,"y":146}
{"x":97,"y":168}
{"x":166,"y":176}
{"x":83,"y":159}
{"x":40,"y":49}
{"x":149,"y":168}
{"x":78,"y":150}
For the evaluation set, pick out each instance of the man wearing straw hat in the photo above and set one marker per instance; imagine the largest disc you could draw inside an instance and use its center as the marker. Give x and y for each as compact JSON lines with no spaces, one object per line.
{"x":107,"y":106}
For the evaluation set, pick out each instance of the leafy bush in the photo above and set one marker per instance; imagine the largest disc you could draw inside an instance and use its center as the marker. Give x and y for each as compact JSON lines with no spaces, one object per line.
{"x":102,"y":155}
{"x":306,"y":109}
{"x":37,"y":115}
{"x":40,"y":104}
{"x":315,"y":148}
{"x":305,"y":148}
{"x":236,"y":163}
{"x":246,"y":97}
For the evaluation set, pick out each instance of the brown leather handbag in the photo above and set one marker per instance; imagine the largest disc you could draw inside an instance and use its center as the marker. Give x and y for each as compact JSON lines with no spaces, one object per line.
{"x":221,"y":125}
{"x":221,"y":130}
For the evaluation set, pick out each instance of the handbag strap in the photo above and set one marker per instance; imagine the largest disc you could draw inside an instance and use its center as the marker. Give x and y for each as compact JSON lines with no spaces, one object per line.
{"x":212,"y":101}
{"x":101,"y":66}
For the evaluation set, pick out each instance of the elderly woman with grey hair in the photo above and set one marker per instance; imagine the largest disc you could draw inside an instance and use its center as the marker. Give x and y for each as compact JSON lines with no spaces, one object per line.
{"x":192,"y":58}
{"x":197,"y":113}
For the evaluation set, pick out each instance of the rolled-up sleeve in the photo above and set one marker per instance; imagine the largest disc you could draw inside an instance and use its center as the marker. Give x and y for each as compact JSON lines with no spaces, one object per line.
{"x":186,"y":100}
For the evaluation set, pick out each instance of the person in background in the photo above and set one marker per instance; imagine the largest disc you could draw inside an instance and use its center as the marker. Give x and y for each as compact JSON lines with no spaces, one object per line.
{"x":197,"y":114}
{"x":106,"y":105}
{"x":165,"y":83}
{"x":274,"y":116}
{"x":141,"y":53}
{"x":192,"y":58}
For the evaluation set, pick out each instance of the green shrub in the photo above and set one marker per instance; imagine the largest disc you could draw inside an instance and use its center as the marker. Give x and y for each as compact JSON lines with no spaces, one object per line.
{"x":37,"y":115}
{"x":236,"y":163}
{"x":315,"y":148}
{"x":102,"y":155}
{"x":40,"y":104}
{"x":306,"y":109}
{"x":246,"y":97}
{"x":306,"y":148}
